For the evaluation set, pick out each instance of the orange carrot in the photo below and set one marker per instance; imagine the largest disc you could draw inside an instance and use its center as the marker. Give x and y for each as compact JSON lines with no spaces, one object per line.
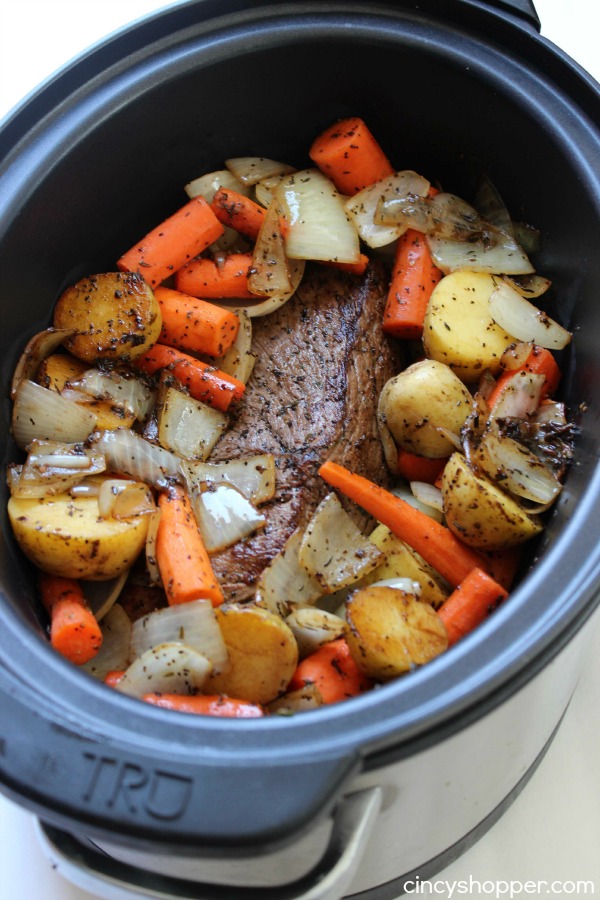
{"x":112,"y":678}
{"x":467,"y":606}
{"x":194,"y":324}
{"x":357,"y":268}
{"x":204,"y":382}
{"x":333,"y":672}
{"x":238,"y":212}
{"x":174,"y":242}
{"x":207,"y":705}
{"x":349,"y":154}
{"x":183,"y":562}
{"x":419,"y":468}
{"x":436,"y":543}
{"x":503,"y":565}
{"x":414,"y":276}
{"x":210,"y":280}
{"x":541,"y":362}
{"x":74,"y":631}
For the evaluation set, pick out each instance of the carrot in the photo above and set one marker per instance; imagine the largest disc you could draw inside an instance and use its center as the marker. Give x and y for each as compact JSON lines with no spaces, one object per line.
{"x":503,"y":565}
{"x":419,"y":468}
{"x":414,"y":276}
{"x":74,"y":631}
{"x":194,"y":324}
{"x":333,"y":672}
{"x":215,"y":281}
{"x":467,"y":606}
{"x":436,"y":543}
{"x":208,"y":705}
{"x":541,"y":362}
{"x":174,"y":242}
{"x":112,"y":678}
{"x":238,"y":212}
{"x":348,"y":154}
{"x":183,"y":562}
{"x":357,"y":268}
{"x":204,"y":382}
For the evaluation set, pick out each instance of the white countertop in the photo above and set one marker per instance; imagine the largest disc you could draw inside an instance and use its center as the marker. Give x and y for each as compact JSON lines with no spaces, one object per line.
{"x":552,"y":831}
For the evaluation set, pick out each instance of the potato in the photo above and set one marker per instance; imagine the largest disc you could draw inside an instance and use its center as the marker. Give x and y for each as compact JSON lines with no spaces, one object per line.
{"x":403,"y":562}
{"x":115,"y":316}
{"x":66,"y":536}
{"x":391,"y":632}
{"x":59,"y":368}
{"x":458,"y":329}
{"x":481,"y":514}
{"x":424,"y":397}
{"x":263,"y":654}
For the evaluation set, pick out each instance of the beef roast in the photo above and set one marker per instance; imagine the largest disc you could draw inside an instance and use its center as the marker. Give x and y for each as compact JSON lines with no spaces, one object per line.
{"x":321,"y":362}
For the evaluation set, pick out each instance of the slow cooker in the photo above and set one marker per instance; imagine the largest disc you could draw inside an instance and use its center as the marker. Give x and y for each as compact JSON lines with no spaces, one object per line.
{"x":363,"y":798}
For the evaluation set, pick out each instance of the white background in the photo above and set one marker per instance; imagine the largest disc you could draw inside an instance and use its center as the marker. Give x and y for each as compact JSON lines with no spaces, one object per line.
{"x":552,"y":832}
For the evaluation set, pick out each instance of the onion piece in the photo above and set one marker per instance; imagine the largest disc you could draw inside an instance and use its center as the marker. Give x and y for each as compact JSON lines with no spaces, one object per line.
{"x":505,"y":256}
{"x":37,"y":349}
{"x":517,"y":469}
{"x":207,"y":185}
{"x":530,"y":286}
{"x":264,"y":190}
{"x":285,"y":581}
{"x":491,"y":207}
{"x":251,"y":169}
{"x":302,"y":700}
{"x":517,"y":316}
{"x":269,"y":273}
{"x":515,"y":355}
{"x":404,"y":493}
{"x":101,"y":596}
{"x":314,"y":627}
{"x":130,"y":454}
{"x":444,"y":215}
{"x":52,"y":467}
{"x":239,"y":359}
{"x":150,"y":549}
{"x":427,"y":494}
{"x":265,"y":307}
{"x":193,"y":624}
{"x":187,"y":426}
{"x":224,"y":516}
{"x":114,"y":654}
{"x":122,"y":499}
{"x":124,"y":390}
{"x":333,"y":550}
{"x":253,"y":476}
{"x":319,"y":227}
{"x":363,"y":205}
{"x":407,"y":585}
{"x":171,"y":667}
{"x":520,"y":398}
{"x":46,"y":415}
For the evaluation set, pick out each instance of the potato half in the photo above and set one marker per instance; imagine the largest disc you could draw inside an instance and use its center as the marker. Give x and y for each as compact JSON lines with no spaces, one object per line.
{"x":63,"y":535}
{"x":479,"y":513}
{"x":115,"y":316}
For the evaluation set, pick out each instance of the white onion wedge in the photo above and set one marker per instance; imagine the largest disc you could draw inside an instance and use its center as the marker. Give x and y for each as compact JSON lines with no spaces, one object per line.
{"x":52,"y":467}
{"x":252,"y":169}
{"x":403,"y":491}
{"x":46,"y":415}
{"x":363,"y":205}
{"x":224,"y":516}
{"x":427,"y":494}
{"x":171,"y":667}
{"x":193,"y":624}
{"x":517,"y":469}
{"x":517,"y":316}
{"x":239,"y":359}
{"x":302,"y":700}
{"x":318,"y":225}
{"x":188,"y":427}
{"x":284,"y":582}
{"x":101,"y":596}
{"x":269,"y":274}
{"x":37,"y":349}
{"x":207,"y":185}
{"x":444,"y":215}
{"x":120,"y":498}
{"x":253,"y":476}
{"x":314,"y":627}
{"x":333,"y":550}
{"x":530,"y":286}
{"x":125,"y":391}
{"x":520,"y":398}
{"x":130,"y":454}
{"x":264,"y":307}
{"x":503,"y":257}
{"x":114,"y":654}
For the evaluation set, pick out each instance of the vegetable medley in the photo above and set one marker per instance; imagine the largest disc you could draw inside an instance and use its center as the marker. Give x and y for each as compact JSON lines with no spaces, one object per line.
{"x":119,"y":405}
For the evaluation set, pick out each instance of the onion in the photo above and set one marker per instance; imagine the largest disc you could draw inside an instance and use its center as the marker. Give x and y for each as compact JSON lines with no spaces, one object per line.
{"x":187,"y":426}
{"x":406,"y":585}
{"x":239,"y":359}
{"x":150,"y":549}
{"x":251,"y":169}
{"x":514,"y":357}
{"x":444,"y":215}
{"x":171,"y":667}
{"x":264,"y":307}
{"x":269,"y":273}
{"x":333,"y":550}
{"x":253,"y":476}
{"x":38,"y":348}
{"x":517,"y":316}
{"x":517,"y":469}
{"x":314,"y":627}
{"x":490,"y":206}
{"x":46,"y":415}
{"x":390,"y":450}
{"x":208,"y":185}
{"x":224,"y":516}
{"x":264,"y":190}
{"x":404,"y":493}
{"x":130,"y":454}
{"x":363,"y":205}
{"x":54,"y":468}
{"x":125,"y":391}
{"x":285,"y":581}
{"x":113,"y":655}
{"x":427,"y":494}
{"x":520,"y":398}
{"x":193,"y":624}
{"x":530,"y":286}
{"x":505,"y":256}
{"x":528,"y":237}
{"x":122,"y":499}
{"x":101,"y":596}
{"x":318,"y":225}
{"x":304,"y":699}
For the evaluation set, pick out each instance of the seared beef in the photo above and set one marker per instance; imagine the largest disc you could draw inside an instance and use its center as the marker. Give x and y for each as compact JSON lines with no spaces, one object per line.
{"x":322,"y":360}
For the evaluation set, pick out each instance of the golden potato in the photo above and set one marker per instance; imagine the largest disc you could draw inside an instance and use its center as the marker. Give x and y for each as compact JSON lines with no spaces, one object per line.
{"x":263,"y":654}
{"x":66,"y":536}
{"x":424,"y":397}
{"x":59,"y":368}
{"x":390,"y":632}
{"x":458,"y":329}
{"x":115,"y":315}
{"x":401,"y":561}
{"x":479,"y":513}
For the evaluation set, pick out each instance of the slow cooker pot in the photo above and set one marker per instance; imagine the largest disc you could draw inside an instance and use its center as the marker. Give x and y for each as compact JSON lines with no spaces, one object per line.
{"x":360,"y":798}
